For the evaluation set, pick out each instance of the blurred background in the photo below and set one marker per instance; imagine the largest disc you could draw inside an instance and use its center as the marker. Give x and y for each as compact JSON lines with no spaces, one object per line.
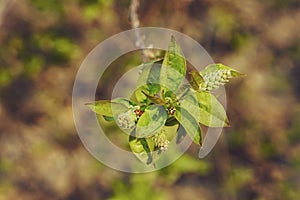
{"x":42,"y":46}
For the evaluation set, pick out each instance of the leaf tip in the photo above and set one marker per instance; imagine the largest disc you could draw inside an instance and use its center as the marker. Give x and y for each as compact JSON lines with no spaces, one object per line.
{"x":173,"y":38}
{"x":89,"y":105}
{"x":226,"y":123}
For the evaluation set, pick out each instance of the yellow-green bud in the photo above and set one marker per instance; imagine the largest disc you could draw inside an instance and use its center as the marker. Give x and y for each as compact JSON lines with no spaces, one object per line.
{"x":160,"y":140}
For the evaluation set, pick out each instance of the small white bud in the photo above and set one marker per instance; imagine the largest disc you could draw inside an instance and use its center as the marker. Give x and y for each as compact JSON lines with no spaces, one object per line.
{"x":229,"y":73}
{"x":160,"y":140}
{"x":126,"y":120}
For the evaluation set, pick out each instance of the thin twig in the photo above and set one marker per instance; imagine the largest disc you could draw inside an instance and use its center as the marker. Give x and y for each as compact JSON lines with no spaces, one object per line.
{"x":134,"y":18}
{"x":135,"y":23}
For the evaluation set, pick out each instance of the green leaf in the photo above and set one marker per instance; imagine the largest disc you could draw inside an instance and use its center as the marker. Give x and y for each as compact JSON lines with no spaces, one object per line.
{"x":190,"y":104}
{"x":219,"y":66}
{"x":139,"y":95}
{"x":170,"y":94}
{"x":150,"y":72}
{"x":173,"y":67}
{"x":212,"y":113}
{"x":123,"y":101}
{"x":181,"y":133}
{"x":155,"y":99}
{"x":109,"y":119}
{"x":189,"y":124}
{"x":182,"y":91}
{"x":153,"y":77}
{"x":110,"y":108}
{"x":152,"y":120}
{"x":141,"y":149}
{"x":120,"y":105}
{"x":171,"y":121}
{"x":205,"y":108}
{"x":101,"y":107}
{"x":148,"y":80}
{"x":196,"y":80}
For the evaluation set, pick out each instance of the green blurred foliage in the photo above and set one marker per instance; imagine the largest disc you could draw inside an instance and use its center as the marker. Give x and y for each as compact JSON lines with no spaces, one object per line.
{"x":138,"y":187}
{"x":42,"y":46}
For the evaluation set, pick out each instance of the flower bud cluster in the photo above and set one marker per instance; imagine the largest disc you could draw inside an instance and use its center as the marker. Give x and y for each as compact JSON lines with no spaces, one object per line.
{"x":160,"y":141}
{"x":171,"y":104}
{"x":128,"y":119}
{"x":213,"y":80}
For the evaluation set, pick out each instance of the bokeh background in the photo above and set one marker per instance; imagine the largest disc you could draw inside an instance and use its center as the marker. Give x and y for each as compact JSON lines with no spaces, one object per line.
{"x":42,"y":44}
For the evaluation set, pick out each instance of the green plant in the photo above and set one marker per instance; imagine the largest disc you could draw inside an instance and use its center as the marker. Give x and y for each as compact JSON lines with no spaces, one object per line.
{"x":162,"y":100}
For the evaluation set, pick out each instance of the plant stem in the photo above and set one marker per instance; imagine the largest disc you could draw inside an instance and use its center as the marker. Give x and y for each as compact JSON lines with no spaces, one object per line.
{"x":135,"y":23}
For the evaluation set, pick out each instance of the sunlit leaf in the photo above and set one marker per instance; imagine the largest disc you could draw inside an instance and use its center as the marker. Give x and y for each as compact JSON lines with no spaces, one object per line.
{"x":152,"y":120}
{"x":212,"y":113}
{"x":107,"y":118}
{"x":189,"y":124}
{"x":141,"y":149}
{"x":101,"y":107}
{"x":148,"y":80}
{"x":195,"y":80}
{"x":110,"y":108}
{"x":139,"y":96}
{"x":182,"y":91}
{"x":173,"y":67}
{"x":155,"y":99}
{"x":123,"y":101}
{"x":181,"y":133}
{"x":190,"y":104}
